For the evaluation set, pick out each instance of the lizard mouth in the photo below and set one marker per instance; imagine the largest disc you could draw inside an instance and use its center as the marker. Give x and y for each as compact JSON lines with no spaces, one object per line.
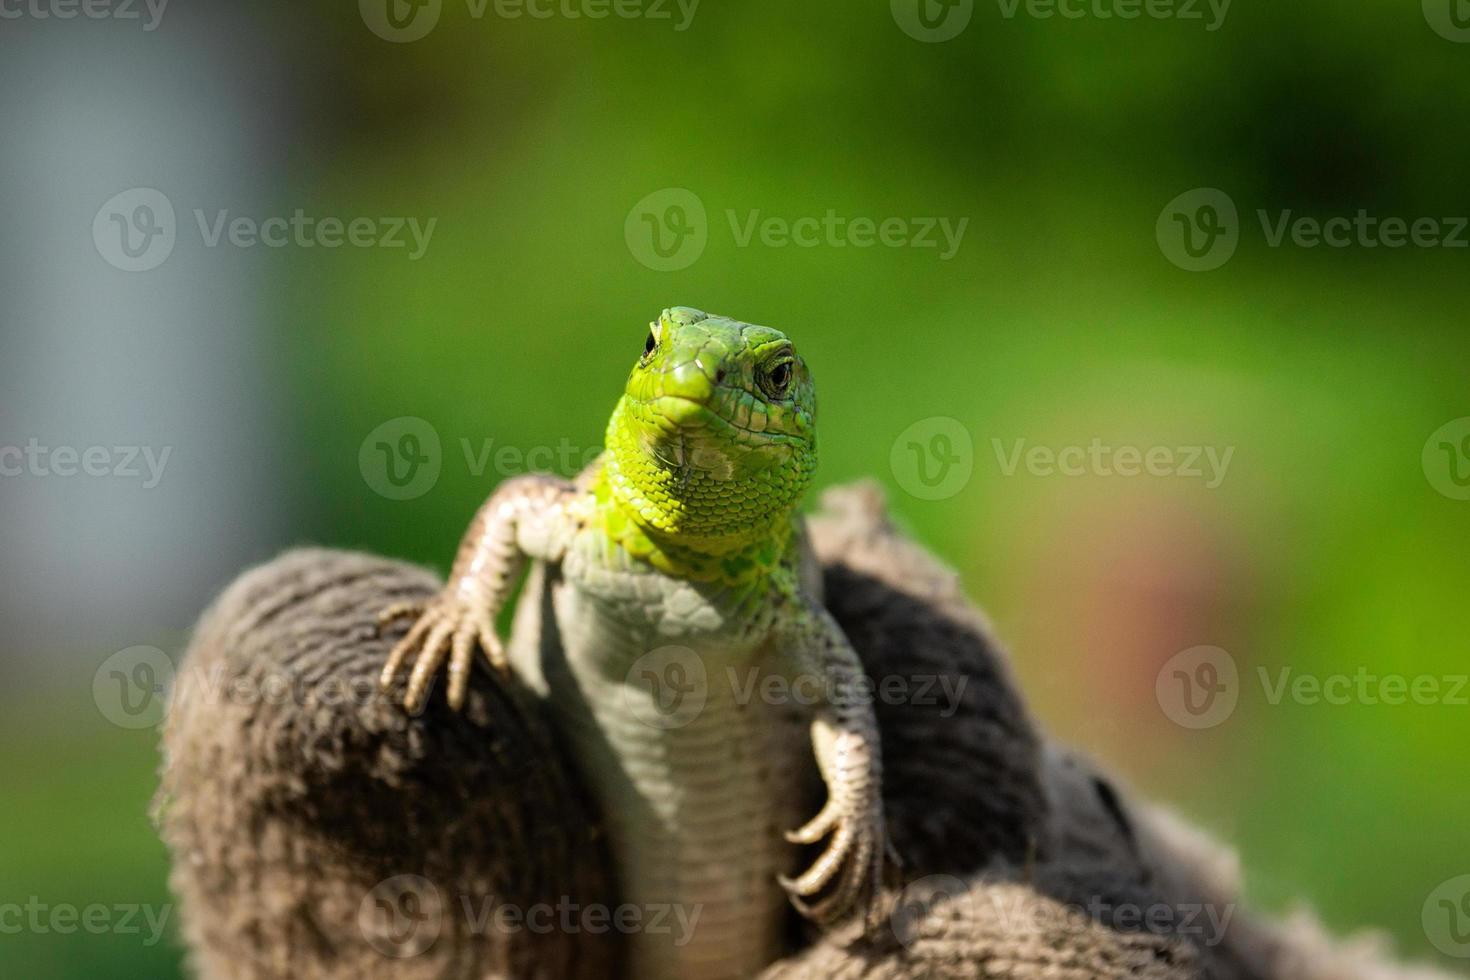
{"x":677,"y":412}
{"x":688,"y":437}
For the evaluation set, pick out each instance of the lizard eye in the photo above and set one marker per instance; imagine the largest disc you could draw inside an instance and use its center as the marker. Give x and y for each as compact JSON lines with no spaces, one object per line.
{"x":778,"y":379}
{"x":650,"y":344}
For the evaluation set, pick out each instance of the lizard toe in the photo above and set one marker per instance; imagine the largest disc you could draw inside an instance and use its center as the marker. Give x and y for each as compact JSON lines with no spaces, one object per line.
{"x":817,"y":827}
{"x":401,"y":650}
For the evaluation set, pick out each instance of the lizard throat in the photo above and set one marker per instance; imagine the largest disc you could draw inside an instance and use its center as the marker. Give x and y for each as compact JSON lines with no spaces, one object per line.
{"x":693,"y":507}
{"x":663,"y":512}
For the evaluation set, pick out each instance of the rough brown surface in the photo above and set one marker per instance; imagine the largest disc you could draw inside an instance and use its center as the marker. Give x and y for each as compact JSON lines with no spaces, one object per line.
{"x":317,"y":831}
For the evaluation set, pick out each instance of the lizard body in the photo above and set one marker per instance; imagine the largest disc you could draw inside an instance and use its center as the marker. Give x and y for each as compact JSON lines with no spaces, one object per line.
{"x":669,"y":582}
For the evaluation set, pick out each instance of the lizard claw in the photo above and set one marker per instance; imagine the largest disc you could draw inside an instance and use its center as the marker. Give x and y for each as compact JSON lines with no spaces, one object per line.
{"x":446,"y":628}
{"x":817,"y":827}
{"x":849,"y":870}
{"x":397,"y":611}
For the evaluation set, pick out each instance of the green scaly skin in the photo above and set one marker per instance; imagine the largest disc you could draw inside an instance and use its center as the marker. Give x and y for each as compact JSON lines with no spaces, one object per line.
{"x":666,"y":577}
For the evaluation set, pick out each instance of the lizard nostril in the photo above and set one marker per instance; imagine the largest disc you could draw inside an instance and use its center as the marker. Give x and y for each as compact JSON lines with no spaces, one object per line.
{"x":720,"y":376}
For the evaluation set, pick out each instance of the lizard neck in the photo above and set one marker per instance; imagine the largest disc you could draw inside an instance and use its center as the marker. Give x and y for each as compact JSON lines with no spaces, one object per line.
{"x":738,"y":556}
{"x":721,"y":507}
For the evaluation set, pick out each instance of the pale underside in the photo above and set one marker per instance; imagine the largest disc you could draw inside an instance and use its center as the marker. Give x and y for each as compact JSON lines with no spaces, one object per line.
{"x":695,"y":772}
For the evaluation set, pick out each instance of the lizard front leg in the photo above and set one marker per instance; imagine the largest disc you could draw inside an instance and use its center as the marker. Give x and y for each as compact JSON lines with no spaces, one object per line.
{"x":845,"y":741}
{"x":525,"y":518}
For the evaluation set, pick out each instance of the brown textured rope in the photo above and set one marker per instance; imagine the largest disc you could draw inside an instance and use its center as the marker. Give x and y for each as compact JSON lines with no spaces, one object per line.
{"x":319,"y":832}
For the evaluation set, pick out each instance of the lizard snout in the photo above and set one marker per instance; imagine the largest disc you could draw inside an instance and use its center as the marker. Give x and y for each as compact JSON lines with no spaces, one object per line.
{"x":685,"y":392}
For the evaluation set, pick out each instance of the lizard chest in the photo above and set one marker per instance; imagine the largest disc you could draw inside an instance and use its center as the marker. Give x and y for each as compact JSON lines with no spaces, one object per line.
{"x":655,"y":685}
{"x":615,"y":593}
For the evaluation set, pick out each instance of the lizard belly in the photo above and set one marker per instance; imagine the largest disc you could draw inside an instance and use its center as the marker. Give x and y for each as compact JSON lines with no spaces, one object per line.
{"x":689,"y":770}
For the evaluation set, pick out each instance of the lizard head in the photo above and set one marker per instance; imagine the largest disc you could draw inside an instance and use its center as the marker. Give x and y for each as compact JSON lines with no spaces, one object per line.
{"x":714,"y":439}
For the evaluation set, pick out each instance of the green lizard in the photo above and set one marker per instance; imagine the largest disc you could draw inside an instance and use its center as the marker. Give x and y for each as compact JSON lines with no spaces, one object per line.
{"x":683,"y":535}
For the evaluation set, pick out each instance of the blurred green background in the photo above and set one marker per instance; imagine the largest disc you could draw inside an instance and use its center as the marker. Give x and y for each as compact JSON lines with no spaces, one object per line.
{"x":1326,"y":547}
